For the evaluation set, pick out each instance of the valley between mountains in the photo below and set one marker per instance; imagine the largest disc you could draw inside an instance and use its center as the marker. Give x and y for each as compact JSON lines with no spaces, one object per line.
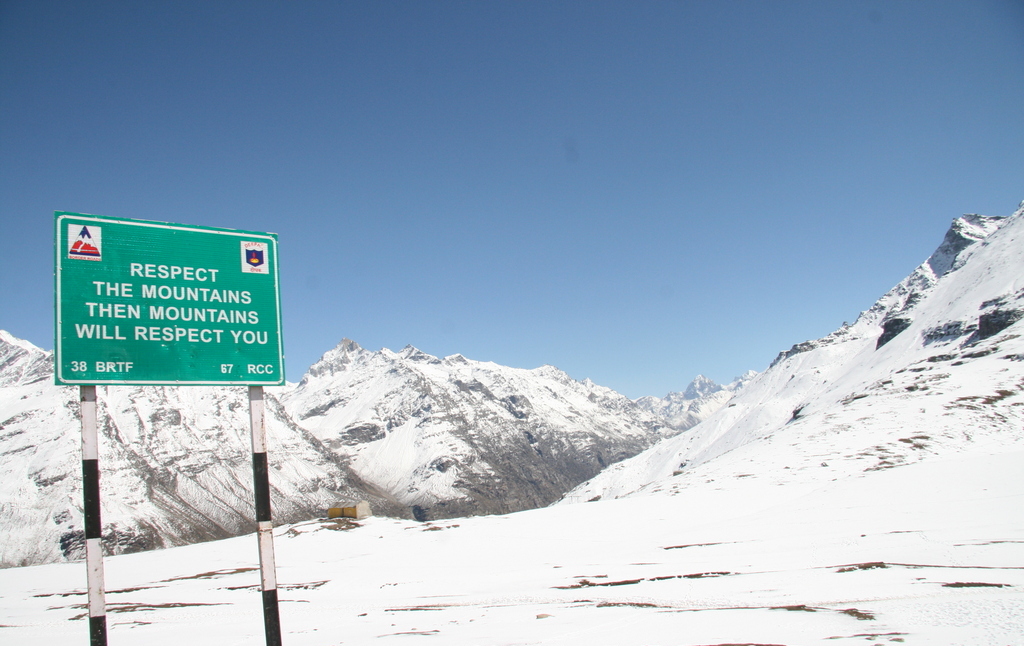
{"x":417,"y":436}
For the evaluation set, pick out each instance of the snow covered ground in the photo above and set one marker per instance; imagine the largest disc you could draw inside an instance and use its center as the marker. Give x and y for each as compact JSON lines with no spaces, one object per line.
{"x":929,"y":553}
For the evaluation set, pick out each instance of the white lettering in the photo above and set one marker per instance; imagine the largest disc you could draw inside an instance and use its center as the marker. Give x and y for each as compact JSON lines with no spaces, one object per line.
{"x":172,"y":272}
{"x":98,"y":332}
{"x":202,"y":294}
{"x":114,"y":310}
{"x":156,"y":333}
{"x":112,"y":289}
{"x":250,"y":337}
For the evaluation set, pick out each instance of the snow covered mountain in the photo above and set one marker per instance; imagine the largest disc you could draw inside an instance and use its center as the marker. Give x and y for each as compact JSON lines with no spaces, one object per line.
{"x":22,"y":363}
{"x":176,"y":464}
{"x":412,"y":434}
{"x":935,"y":368}
{"x":454,"y":437}
{"x":700,"y":399}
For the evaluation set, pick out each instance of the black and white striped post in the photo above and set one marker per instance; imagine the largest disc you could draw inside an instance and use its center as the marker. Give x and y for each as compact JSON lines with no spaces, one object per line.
{"x":93,"y":524}
{"x":264,"y":524}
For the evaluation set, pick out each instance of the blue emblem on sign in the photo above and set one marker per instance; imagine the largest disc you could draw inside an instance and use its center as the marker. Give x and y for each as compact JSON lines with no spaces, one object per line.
{"x":254,"y":257}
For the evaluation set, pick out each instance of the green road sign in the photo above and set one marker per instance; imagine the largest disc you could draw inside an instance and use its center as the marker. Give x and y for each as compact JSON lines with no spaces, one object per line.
{"x":141,"y":302}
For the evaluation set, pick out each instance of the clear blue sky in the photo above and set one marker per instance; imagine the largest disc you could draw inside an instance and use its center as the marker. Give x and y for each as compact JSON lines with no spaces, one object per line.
{"x":635,"y":192}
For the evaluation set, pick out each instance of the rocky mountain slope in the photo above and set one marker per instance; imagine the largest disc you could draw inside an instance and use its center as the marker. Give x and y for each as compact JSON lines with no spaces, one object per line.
{"x":452,"y":437}
{"x":934,"y":368}
{"x":414,"y":435}
{"x":176,"y":464}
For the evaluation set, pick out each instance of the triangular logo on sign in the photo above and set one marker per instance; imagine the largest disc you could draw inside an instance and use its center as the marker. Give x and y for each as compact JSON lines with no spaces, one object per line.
{"x":86,"y":244}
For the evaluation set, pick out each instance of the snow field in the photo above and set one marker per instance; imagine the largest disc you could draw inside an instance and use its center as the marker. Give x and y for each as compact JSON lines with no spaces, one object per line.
{"x":929,"y":553}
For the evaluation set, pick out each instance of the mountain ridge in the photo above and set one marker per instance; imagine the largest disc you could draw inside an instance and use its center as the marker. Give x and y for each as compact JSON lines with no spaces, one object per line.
{"x":425,"y":438}
{"x":875,"y":394}
{"x":435,"y":430}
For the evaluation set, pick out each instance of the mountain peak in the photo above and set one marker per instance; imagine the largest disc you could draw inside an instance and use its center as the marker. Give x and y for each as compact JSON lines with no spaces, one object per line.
{"x":349,"y":345}
{"x":21,"y":362}
{"x":701,"y":386}
{"x":962,"y":233}
{"x":9,"y":339}
{"x":700,"y":399}
{"x":335,"y":359}
{"x":746,"y":376}
{"x":413,"y":353}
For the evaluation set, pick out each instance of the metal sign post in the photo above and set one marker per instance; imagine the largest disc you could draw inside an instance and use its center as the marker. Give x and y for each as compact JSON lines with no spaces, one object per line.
{"x":154,"y":303}
{"x":264,"y":525}
{"x":93,"y":524}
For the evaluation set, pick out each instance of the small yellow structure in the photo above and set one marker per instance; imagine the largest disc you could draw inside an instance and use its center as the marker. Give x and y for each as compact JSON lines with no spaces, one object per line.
{"x":359,"y":511}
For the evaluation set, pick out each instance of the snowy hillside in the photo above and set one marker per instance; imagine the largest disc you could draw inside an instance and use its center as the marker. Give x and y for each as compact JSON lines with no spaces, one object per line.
{"x":934,"y":369}
{"x":453,"y":437}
